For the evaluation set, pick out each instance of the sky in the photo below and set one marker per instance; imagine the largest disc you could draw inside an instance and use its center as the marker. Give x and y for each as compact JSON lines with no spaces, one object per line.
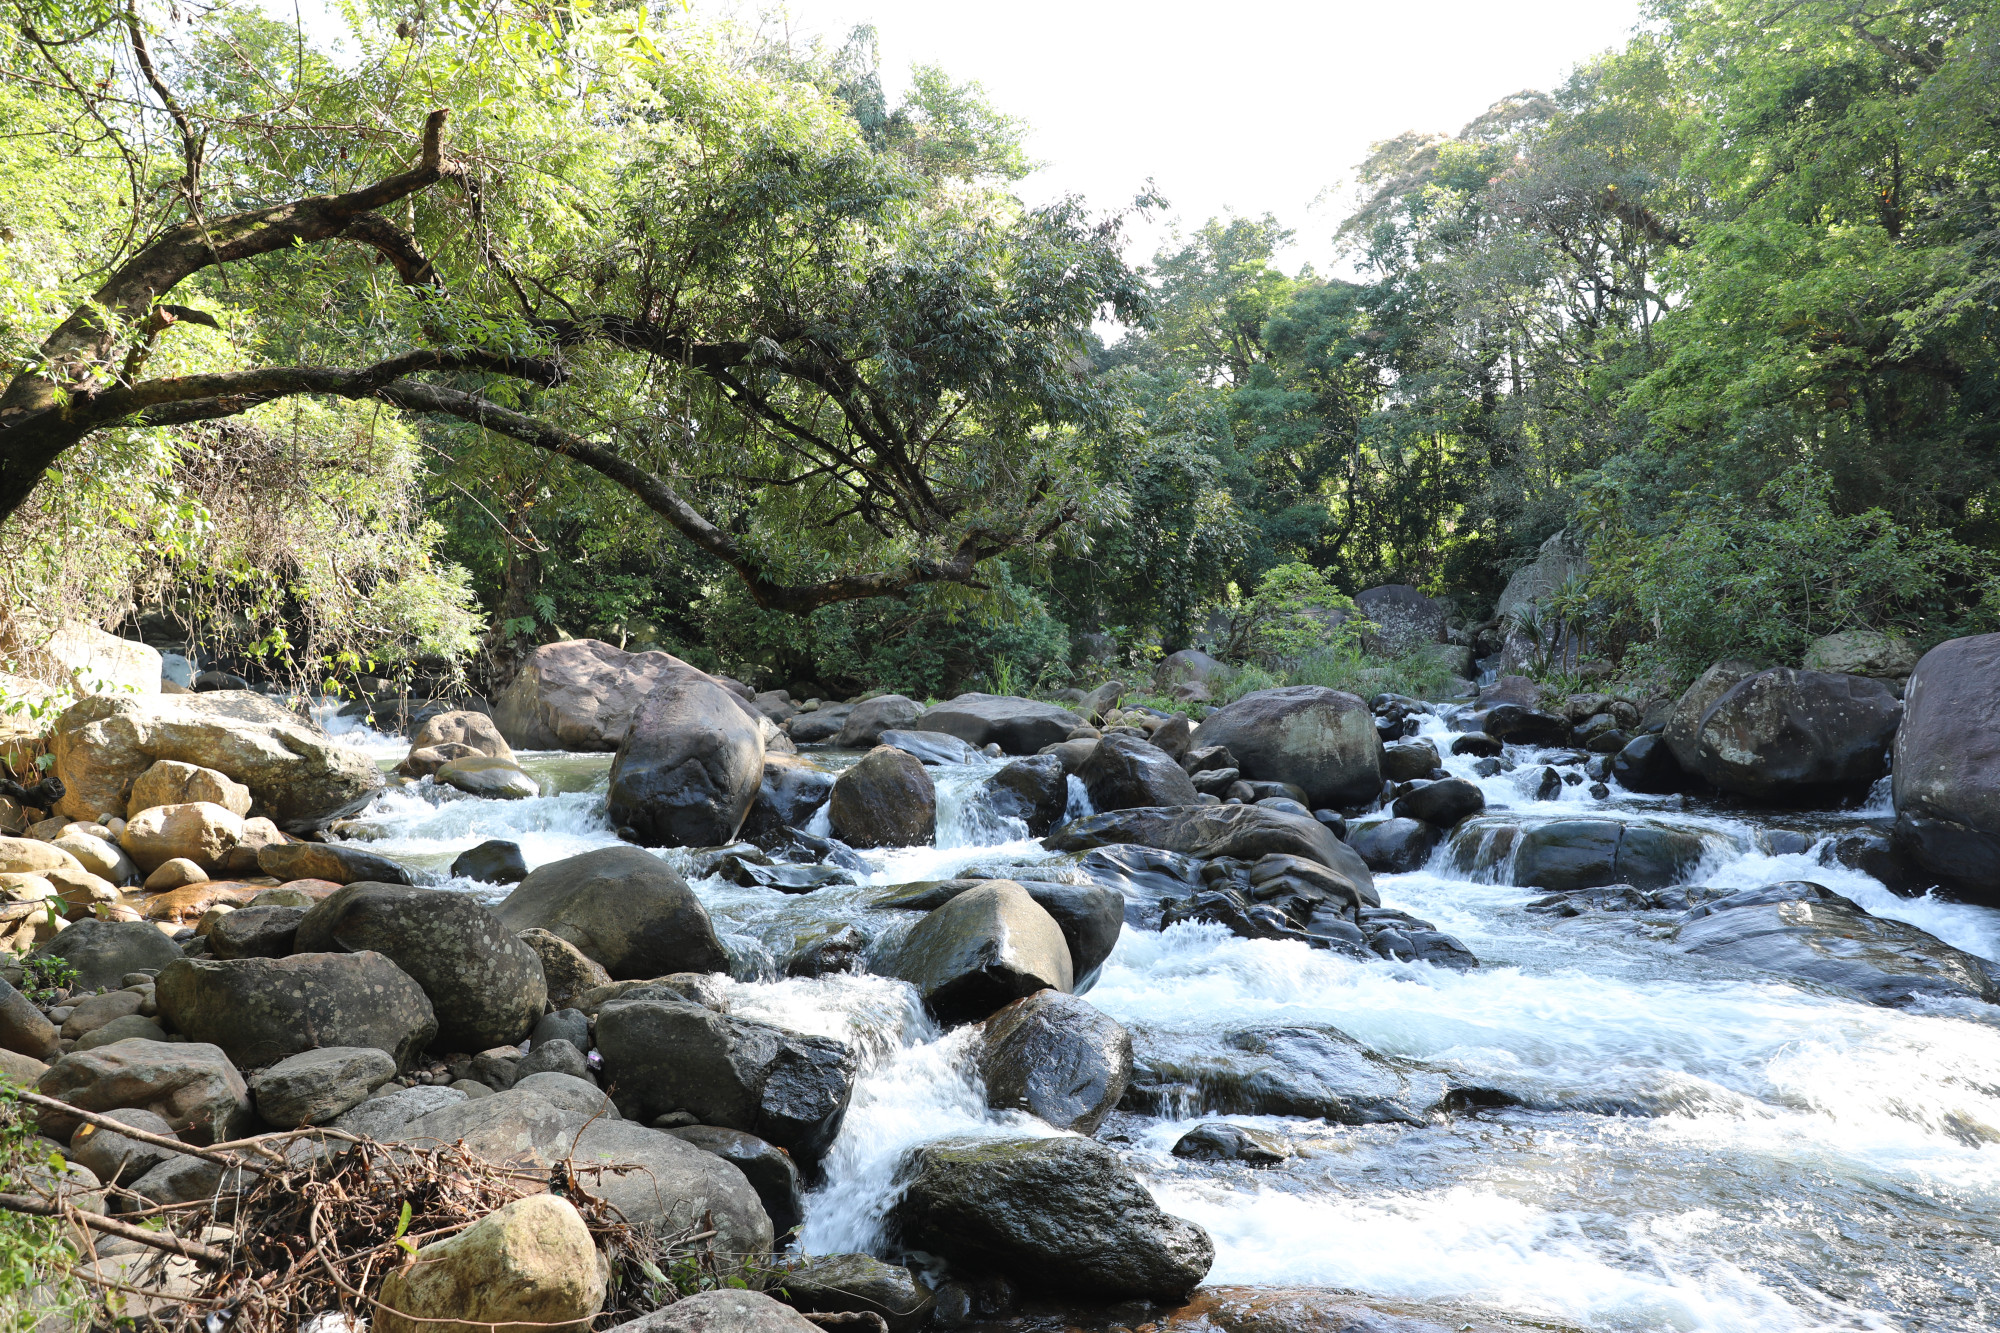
{"x":1249,"y":106}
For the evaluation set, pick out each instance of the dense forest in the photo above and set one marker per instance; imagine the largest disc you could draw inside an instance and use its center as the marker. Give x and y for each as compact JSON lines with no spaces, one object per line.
{"x":502,"y":323}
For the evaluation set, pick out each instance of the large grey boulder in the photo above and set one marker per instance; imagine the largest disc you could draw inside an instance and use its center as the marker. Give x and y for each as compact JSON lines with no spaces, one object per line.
{"x":261,"y":1010}
{"x":857,"y":1284}
{"x":1862,"y":652}
{"x":821,"y":725}
{"x":871,"y":717}
{"x":1807,"y":931}
{"x":464,"y":727}
{"x":1017,"y":726}
{"x":886,"y":800}
{"x":1947,"y":770}
{"x":298,"y":776}
{"x":579,"y":694}
{"x":1090,"y":915}
{"x":987,"y":946}
{"x":334,"y":862}
{"x":767,"y":1167}
{"x":1797,"y":736}
{"x":103,"y":952}
{"x":1588,"y":853}
{"x":622,"y":907}
{"x":932,"y":747}
{"x":1142,"y":877}
{"x":256,"y":932}
{"x":485,"y":985}
{"x":1123,"y":772}
{"x":1058,"y":1216}
{"x":1683,"y":730}
{"x":1318,"y":739}
{"x":191,"y":1085}
{"x":792,"y":788}
{"x":1034,"y":790}
{"x":1057,"y":1057}
{"x":1189,"y":666}
{"x":1245,"y":832}
{"x":116,"y":1158}
{"x":671,"y":1055}
{"x":1313,"y":1072}
{"x":313,"y":1087}
{"x":689,"y":767}
{"x":1405,"y":619}
{"x":380,"y":1117}
{"x":722,"y":1311}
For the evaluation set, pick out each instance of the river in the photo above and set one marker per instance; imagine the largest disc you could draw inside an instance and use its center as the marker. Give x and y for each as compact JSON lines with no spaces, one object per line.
{"x":1697,"y":1146}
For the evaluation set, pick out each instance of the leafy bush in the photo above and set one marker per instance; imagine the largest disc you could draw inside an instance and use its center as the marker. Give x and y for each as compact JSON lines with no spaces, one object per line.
{"x":1721,"y":578}
{"x":1423,"y":674}
{"x":1294,"y":614}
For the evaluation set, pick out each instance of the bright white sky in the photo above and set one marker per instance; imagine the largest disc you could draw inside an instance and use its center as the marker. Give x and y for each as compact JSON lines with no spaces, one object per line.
{"x":1247,"y":105}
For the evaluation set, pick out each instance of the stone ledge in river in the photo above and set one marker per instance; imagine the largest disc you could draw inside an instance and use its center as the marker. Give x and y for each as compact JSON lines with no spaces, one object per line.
{"x":1570,"y":854}
{"x":1295,"y":1071}
{"x":1246,"y":832}
{"x":1017,"y":726}
{"x":1804,"y":930}
{"x":986,"y":946}
{"x":1089,"y":915}
{"x":1319,"y":739}
{"x":1325,"y":1310}
{"x":1057,"y":1057}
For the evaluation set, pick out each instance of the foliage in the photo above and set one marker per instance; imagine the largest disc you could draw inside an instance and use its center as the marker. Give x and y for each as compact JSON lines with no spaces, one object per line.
{"x":1294,"y":615}
{"x":36,"y":1253}
{"x":1423,"y":674}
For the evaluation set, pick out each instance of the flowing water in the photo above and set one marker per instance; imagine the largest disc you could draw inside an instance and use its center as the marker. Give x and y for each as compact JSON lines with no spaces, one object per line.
{"x":1697,"y":1146}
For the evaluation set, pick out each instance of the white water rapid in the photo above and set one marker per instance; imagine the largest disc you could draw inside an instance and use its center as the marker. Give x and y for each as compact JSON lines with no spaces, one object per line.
{"x":1694,"y":1146}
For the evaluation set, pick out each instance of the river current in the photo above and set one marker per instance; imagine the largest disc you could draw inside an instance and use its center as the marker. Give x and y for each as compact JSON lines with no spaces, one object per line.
{"x":1698,"y":1146}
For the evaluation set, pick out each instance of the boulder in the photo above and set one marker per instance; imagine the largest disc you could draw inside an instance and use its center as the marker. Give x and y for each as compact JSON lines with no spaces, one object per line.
{"x":1646,"y":764}
{"x":871,"y":717}
{"x":1862,"y":652}
{"x":528,"y":1264}
{"x":1409,"y":761}
{"x":1513,"y":724}
{"x":1034,"y":790}
{"x":1807,"y":931}
{"x":1142,"y":877}
{"x":495,"y":861}
{"x":103,"y":858}
{"x":819,"y":726}
{"x":1441,"y":804}
{"x":93,"y":1011}
{"x":1056,"y":1057}
{"x":623,"y":908}
{"x":1059,"y":1216}
{"x":1017,"y":726}
{"x":579,"y":694}
{"x":1124,"y":772}
{"x":857,"y":1284}
{"x":30,"y":856}
{"x":932,"y":747}
{"x":24,"y":1029}
{"x":723,"y":1311}
{"x":425,"y":762}
{"x":672,"y":1055}
{"x":1406,"y":620}
{"x":104,"y":952}
{"x":116,"y":1158}
{"x":200,"y":831}
{"x":1244,"y":832}
{"x":791,"y":790}
{"x":383,"y":1116}
{"x":1683,"y":730}
{"x":1571,"y":854}
{"x":175,"y":874}
{"x":1090,"y":915}
{"x":1947,"y":769}
{"x":313,"y":1087}
{"x":494,"y":779}
{"x":171,"y":782}
{"x":334,"y":862}
{"x":132,"y":1027}
{"x":191,"y":1085}
{"x":1796,"y":736}
{"x":298,"y":776}
{"x":676,"y":1186}
{"x":475,"y":731}
{"x":256,"y":932}
{"x":556,"y":1056}
{"x":689,"y":767}
{"x":1289,"y":1070}
{"x":886,"y":800}
{"x":768,"y":1168}
{"x":1101,"y":700}
{"x":261,"y":1010}
{"x":1222,"y":1142}
{"x":985,"y":947}
{"x":566,"y":970}
{"x":484,"y":985}
{"x":1189,"y":666}
{"x":1320,"y":740}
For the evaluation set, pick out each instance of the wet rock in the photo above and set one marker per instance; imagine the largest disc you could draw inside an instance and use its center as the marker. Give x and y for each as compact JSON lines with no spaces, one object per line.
{"x":1584,"y":853}
{"x":102,"y":952}
{"x":1034,"y":790}
{"x":1395,"y":846}
{"x":789,"y":1089}
{"x":886,"y":800}
{"x":1947,"y":770}
{"x":1318,"y":739}
{"x":1624,"y":898}
{"x":857,"y":1283}
{"x":261,"y":1010}
{"x":1017,"y":726}
{"x":493,"y":779}
{"x":333,"y":862}
{"x":474,"y":730}
{"x":313,"y":1087}
{"x":1442,"y":804}
{"x":1206,"y":832}
{"x":931,"y":747}
{"x":1055,"y":1216}
{"x":728,"y":1311}
{"x":1221,"y":1142}
{"x":1122,"y":773}
{"x":987,"y":946}
{"x":790,"y":791}
{"x":1056,"y":1057}
{"x":1807,"y":931}
{"x":1279,"y":874}
{"x":871,"y":717}
{"x":769,"y":1170}
{"x":1513,"y":724}
{"x":1785,"y":735}
{"x":425,"y":762}
{"x":623,"y":908}
{"x":1476,"y":743}
{"x":1874,"y":854}
{"x":530,"y":1262}
{"x":495,"y":861}
{"x":687,"y":771}
{"x":1683,"y":729}
{"x":1647,"y":765}
{"x":1409,"y":761}
{"x":1312,"y":1072}
{"x":837,"y":952}
{"x":191,"y":1085}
